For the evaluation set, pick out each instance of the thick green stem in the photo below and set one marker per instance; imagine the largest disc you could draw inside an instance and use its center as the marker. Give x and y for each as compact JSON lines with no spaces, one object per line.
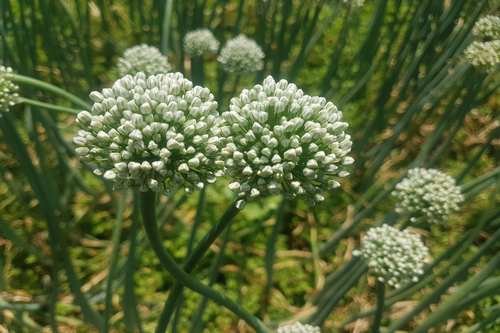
{"x":377,"y":319}
{"x":167,"y":16}
{"x":48,"y":106}
{"x":148,"y":205}
{"x":48,"y":87}
{"x":191,"y":262}
{"x":115,"y":248}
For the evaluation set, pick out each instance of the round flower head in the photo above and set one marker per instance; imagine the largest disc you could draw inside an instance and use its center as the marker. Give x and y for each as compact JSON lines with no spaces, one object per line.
{"x":484,"y":55}
{"x":487,"y":27}
{"x":199,"y":42}
{"x":155,"y":133}
{"x":143,"y":58}
{"x":280,"y":140}
{"x":241,"y":54}
{"x":396,"y":257}
{"x":428,"y":195}
{"x":8,"y":89}
{"x":298,"y":328}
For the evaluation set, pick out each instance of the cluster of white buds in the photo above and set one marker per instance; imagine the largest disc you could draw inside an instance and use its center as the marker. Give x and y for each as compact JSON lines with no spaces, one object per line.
{"x":428,"y":195}
{"x":157,"y":133}
{"x":485,"y":55}
{"x":199,"y":42}
{"x":487,"y":27}
{"x":396,"y":257}
{"x":241,"y":54}
{"x":279,"y":140}
{"x":8,"y":89}
{"x":298,"y":328}
{"x":143,"y":58}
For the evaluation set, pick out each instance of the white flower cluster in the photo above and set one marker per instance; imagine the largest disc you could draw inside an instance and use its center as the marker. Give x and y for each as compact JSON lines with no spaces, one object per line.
{"x":395,"y":256}
{"x":199,"y":42}
{"x":487,"y":27}
{"x":427,"y":194}
{"x":241,"y":54}
{"x":298,"y":328}
{"x":280,"y":140}
{"x":485,"y":55}
{"x":143,"y":58}
{"x":8,"y":89}
{"x":155,"y":133}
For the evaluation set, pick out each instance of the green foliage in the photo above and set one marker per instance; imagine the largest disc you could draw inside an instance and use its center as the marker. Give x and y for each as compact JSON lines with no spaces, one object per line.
{"x":397,"y":71}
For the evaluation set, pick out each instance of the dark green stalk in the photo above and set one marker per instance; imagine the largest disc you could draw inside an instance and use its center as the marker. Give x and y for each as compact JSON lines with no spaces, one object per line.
{"x":48,"y":106}
{"x":190,"y":264}
{"x":453,"y":304}
{"x":131,"y":315}
{"x":452,"y":277}
{"x":21,"y":79}
{"x":377,"y":319}
{"x":165,"y":31}
{"x":115,"y":249}
{"x":271,"y":253}
{"x":197,"y":326}
{"x":56,"y":240}
{"x":148,"y":205}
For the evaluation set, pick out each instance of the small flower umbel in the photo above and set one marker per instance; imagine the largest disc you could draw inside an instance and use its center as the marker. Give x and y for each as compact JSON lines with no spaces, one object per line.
{"x":8,"y":90}
{"x":428,"y":195}
{"x":241,"y":54}
{"x":487,"y":28}
{"x":199,"y":42}
{"x":298,"y":328}
{"x":154,"y":133}
{"x":143,"y":58}
{"x":395,"y":256}
{"x":483,"y":55}
{"x":280,"y":140}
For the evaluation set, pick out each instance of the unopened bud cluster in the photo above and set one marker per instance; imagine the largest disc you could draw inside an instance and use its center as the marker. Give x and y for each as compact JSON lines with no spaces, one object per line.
{"x":395,"y":256}
{"x":279,"y":140}
{"x":484,"y":53}
{"x":8,"y":90}
{"x":200,"y":42}
{"x":241,"y":54}
{"x":298,"y":328}
{"x":155,"y":133}
{"x":487,"y":28}
{"x":143,"y":58}
{"x":427,"y":195}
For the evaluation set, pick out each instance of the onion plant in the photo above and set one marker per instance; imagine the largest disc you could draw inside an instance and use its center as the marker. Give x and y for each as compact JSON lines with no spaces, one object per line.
{"x":235,"y":166}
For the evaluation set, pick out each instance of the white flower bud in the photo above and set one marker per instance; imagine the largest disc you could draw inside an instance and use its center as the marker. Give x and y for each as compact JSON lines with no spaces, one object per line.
{"x":148,"y":137}
{"x":141,"y":58}
{"x":428,"y":195}
{"x":396,"y":257}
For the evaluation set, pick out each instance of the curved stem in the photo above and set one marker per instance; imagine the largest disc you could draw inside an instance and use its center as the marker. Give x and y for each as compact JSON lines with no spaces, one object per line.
{"x":48,"y":106}
{"x":48,"y":87}
{"x":377,"y":319}
{"x":147,"y":202}
{"x":191,"y":262}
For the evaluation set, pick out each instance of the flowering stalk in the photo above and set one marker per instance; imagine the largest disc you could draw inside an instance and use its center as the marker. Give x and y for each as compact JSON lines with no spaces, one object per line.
{"x":48,"y":106}
{"x":377,"y":319}
{"x":148,"y":207}
{"x":48,"y":87}
{"x":191,"y":262}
